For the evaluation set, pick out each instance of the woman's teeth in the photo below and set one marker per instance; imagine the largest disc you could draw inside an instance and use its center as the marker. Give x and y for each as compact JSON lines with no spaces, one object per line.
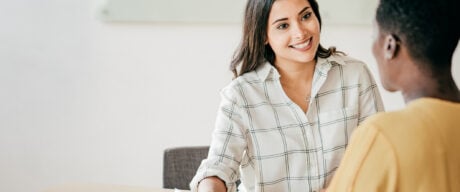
{"x":302,"y":45}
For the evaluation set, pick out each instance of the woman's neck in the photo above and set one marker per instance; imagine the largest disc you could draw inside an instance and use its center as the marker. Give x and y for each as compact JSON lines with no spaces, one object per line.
{"x":296,"y":80}
{"x":295,"y":73}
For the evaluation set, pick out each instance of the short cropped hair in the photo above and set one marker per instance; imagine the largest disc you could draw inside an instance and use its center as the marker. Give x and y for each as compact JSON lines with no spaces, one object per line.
{"x":430,"y":29}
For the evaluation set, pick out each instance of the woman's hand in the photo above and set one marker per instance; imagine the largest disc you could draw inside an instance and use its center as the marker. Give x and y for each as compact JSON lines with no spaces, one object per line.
{"x":212,"y":184}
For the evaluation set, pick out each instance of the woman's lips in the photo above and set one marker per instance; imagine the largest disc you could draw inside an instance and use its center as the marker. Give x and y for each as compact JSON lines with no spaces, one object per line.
{"x":306,"y":45}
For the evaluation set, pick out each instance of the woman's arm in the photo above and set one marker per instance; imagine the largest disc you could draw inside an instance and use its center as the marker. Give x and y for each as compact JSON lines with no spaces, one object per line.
{"x":226,"y":149}
{"x":370,"y":101}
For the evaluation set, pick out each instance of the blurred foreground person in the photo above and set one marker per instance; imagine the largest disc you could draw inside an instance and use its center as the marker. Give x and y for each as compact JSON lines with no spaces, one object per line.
{"x":416,"y":148}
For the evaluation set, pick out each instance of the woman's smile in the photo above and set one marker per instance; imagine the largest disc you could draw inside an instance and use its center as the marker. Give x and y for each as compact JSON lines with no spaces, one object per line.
{"x":302,"y":46}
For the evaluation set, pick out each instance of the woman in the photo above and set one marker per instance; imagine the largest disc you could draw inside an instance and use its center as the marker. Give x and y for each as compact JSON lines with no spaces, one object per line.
{"x":285,"y":120}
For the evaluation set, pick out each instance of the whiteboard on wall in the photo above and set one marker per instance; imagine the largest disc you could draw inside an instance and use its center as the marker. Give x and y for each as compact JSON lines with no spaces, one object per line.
{"x":223,"y":11}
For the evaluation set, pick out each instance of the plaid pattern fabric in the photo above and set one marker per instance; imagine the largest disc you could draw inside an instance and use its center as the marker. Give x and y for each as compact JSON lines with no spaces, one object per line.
{"x":267,"y":141}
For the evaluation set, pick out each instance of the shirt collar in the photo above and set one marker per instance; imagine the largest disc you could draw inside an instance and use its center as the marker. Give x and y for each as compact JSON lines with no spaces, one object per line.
{"x":267,"y":70}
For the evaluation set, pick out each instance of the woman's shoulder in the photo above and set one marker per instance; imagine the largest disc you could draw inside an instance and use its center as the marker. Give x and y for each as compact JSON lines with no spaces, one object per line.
{"x":263,"y":72}
{"x":252,"y":80}
{"x":241,"y":81}
{"x":346,"y":60}
{"x":348,"y":64}
{"x":244,"y":79}
{"x":351,"y":67}
{"x":240,"y":87}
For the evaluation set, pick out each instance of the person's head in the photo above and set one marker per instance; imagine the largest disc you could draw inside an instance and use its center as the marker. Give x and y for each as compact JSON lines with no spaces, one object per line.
{"x":279,"y":30}
{"x":427,"y":30}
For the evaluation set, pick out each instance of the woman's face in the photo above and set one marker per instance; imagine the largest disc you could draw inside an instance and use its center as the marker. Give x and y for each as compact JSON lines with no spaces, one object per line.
{"x":293,"y":31}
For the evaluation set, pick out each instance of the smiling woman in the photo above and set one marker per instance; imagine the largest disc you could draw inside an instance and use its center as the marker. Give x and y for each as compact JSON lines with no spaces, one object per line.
{"x":221,"y":11}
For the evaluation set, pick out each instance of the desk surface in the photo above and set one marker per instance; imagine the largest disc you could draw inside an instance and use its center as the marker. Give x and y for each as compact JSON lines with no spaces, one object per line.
{"x":106,"y":188}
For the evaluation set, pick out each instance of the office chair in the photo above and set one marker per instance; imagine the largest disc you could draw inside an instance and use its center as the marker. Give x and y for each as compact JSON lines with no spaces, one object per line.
{"x":180,"y":165}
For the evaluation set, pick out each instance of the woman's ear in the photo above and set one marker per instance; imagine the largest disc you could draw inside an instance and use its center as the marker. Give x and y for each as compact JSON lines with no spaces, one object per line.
{"x":391,"y":45}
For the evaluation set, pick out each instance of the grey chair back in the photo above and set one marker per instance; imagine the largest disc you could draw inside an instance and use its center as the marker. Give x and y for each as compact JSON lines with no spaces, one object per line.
{"x":180,"y":165}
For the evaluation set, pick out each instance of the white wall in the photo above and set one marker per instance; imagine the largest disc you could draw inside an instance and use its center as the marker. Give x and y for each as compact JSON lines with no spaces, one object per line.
{"x":87,"y":101}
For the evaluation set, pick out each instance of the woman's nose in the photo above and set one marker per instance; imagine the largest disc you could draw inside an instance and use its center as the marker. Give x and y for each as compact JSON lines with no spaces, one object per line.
{"x":298,"y":31}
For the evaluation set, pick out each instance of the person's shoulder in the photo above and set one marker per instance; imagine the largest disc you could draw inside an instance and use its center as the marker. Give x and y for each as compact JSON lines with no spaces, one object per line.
{"x":352,"y":68}
{"x":263,"y":72}
{"x":346,"y":60}
{"x":413,"y":113}
{"x":244,"y":79}
{"x":391,"y":121}
{"x":241,"y":81}
{"x":348,"y":65}
{"x":381,"y":119}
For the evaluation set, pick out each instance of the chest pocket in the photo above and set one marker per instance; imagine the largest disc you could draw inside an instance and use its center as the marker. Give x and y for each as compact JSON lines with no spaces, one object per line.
{"x":335,"y":129}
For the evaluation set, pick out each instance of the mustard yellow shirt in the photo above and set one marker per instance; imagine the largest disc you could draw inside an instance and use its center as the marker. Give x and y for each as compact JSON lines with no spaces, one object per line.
{"x":414,"y":149}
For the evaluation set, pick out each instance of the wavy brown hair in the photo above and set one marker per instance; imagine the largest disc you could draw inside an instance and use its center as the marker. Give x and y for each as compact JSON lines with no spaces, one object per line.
{"x":252,"y":50}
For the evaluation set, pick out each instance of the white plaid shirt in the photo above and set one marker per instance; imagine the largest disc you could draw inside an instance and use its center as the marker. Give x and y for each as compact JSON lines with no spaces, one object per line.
{"x":267,"y":141}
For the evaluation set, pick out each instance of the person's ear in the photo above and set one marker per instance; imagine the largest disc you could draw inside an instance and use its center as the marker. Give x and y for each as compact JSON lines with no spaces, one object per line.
{"x":391,"y":47}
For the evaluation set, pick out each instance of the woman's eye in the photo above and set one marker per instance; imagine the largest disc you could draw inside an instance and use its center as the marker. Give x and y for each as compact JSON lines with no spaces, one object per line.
{"x":306,"y":16}
{"x":282,"y":26}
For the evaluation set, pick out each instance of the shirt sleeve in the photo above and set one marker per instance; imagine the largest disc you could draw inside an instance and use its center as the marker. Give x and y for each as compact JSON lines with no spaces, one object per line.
{"x":369,"y":164}
{"x":227,"y":146}
{"x":370,"y":100}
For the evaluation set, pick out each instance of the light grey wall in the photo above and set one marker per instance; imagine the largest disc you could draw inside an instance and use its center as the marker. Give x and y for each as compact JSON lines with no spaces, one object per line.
{"x":87,"y":101}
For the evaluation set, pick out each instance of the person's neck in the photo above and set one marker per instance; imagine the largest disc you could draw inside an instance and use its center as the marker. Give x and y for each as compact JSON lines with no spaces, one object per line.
{"x":434,"y":86}
{"x":295,"y":73}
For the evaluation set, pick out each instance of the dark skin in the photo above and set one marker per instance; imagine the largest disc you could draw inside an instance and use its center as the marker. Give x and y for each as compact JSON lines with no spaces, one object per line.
{"x":400,"y":72}
{"x":443,"y":88}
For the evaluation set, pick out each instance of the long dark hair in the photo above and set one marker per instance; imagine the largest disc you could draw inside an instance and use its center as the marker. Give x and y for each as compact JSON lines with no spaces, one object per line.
{"x":252,"y":50}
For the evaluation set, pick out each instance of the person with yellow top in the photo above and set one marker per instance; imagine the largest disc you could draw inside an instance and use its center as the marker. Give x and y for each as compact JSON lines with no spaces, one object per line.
{"x":416,"y":148}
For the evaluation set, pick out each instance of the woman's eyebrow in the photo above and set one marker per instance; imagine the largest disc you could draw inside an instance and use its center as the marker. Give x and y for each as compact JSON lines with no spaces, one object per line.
{"x":303,"y":10}
{"x":283,"y":19}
